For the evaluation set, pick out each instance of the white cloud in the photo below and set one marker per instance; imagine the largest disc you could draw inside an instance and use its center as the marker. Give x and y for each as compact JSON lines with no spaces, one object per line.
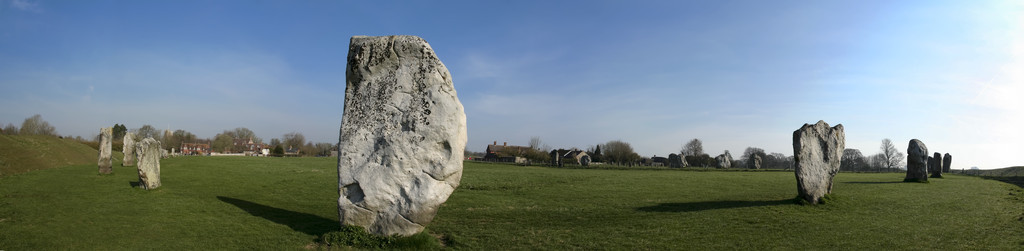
{"x":26,"y":5}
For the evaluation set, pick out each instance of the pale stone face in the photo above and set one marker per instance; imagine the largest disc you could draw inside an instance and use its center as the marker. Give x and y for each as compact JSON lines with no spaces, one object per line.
{"x":818,"y":150}
{"x":402,"y":139}
{"x":128,"y":150}
{"x":104,"y":164}
{"x":149,"y":163}
{"x":917,"y":161}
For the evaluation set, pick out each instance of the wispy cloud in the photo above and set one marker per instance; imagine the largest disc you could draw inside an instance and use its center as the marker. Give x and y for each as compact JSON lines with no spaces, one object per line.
{"x":26,"y":5}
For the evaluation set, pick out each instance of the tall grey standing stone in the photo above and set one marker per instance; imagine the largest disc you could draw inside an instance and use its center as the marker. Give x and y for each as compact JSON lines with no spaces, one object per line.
{"x":946,"y":161}
{"x":675,"y":160}
{"x":403,"y":134}
{"x":917,"y":162}
{"x":105,"y":152}
{"x":149,"y":151}
{"x":935,"y":165}
{"x":128,"y":150}
{"x":754,"y":162}
{"x":722,"y":161}
{"x":818,"y":150}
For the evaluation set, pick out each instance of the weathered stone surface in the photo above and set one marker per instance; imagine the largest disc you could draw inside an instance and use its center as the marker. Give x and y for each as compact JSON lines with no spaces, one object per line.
{"x":149,"y":151}
{"x":935,"y":165}
{"x":818,"y":151}
{"x":105,"y":150}
{"x":754,"y":162}
{"x":403,"y":134}
{"x":128,"y":150}
{"x":917,"y":162}
{"x":946,"y":161}
{"x":585,"y":160}
{"x":676,"y":161}
{"x":722,"y":161}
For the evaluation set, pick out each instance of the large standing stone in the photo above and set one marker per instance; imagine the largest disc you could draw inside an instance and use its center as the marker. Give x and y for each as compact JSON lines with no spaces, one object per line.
{"x":585,"y":160}
{"x":754,"y":162}
{"x":149,"y":151}
{"x":676,"y":161}
{"x":935,"y":165}
{"x":403,"y":134}
{"x":722,"y":161}
{"x":946,"y":161}
{"x":128,"y":150}
{"x":818,"y":150}
{"x":917,"y":162}
{"x":104,"y":158}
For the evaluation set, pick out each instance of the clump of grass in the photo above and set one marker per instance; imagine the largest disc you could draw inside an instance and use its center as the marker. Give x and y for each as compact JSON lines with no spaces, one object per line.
{"x":356,"y":236}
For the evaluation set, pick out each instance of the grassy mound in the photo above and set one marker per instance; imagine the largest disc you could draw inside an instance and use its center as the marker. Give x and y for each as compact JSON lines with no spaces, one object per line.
{"x":214,"y":203}
{"x":24,"y":153}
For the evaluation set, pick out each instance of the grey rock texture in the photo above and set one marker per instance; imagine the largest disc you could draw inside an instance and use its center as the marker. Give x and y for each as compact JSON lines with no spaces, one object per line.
{"x":105,"y":152}
{"x":754,"y":162}
{"x":128,"y":150}
{"x":722,"y":161}
{"x":149,"y":152}
{"x":818,"y":150}
{"x":946,"y":161}
{"x":585,"y":160}
{"x":935,"y":165}
{"x":402,"y":139}
{"x":676,"y":161}
{"x":917,"y":162}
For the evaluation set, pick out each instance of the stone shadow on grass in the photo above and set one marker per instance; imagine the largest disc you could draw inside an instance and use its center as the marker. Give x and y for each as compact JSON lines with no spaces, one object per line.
{"x":711,"y":205}
{"x":873,"y":182}
{"x":302,"y":222}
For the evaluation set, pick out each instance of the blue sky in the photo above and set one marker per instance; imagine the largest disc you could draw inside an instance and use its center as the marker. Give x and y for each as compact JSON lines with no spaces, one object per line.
{"x":652,"y":73}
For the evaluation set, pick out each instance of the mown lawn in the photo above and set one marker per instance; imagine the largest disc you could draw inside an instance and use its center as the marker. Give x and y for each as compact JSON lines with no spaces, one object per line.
{"x":287,"y":203}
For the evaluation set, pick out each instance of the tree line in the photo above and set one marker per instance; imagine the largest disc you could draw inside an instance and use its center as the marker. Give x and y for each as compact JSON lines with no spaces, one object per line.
{"x":617,"y":152}
{"x":222,"y":142}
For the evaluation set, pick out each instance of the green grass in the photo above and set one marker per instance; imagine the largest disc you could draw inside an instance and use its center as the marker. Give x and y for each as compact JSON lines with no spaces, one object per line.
{"x":290,"y":203}
{"x":24,"y":153}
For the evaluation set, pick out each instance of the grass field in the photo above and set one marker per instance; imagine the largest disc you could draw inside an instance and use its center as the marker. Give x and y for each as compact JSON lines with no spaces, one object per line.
{"x":287,"y":203}
{"x":24,"y":153}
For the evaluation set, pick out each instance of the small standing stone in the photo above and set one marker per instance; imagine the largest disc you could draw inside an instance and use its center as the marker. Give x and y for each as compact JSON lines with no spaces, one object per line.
{"x":722,"y":161}
{"x":935,"y":165}
{"x":675,"y":160}
{"x":818,"y":150}
{"x":585,"y":160}
{"x":946,"y":161}
{"x":149,"y":163}
{"x":754,"y":162}
{"x":917,"y":162}
{"x":105,"y":150}
{"x":128,"y":150}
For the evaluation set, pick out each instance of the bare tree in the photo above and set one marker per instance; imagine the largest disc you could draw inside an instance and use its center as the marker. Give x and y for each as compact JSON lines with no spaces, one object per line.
{"x":10,"y":129}
{"x":891,"y":155}
{"x":535,"y":143}
{"x":619,"y":152}
{"x":293,"y":140}
{"x":245,"y":133}
{"x":853,"y":160}
{"x":35,"y":125}
{"x":693,"y":148}
{"x":147,"y":131}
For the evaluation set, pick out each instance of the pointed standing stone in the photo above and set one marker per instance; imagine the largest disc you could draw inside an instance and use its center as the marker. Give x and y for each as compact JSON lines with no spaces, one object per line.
{"x":754,"y":162}
{"x":818,"y":150}
{"x":149,"y":163}
{"x":402,"y":139}
{"x":917,"y":162}
{"x":946,"y":161}
{"x":935,"y":165}
{"x":105,"y":145}
{"x":128,"y":150}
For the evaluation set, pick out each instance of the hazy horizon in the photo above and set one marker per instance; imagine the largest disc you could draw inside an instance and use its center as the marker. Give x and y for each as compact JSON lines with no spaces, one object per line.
{"x":655,"y":74}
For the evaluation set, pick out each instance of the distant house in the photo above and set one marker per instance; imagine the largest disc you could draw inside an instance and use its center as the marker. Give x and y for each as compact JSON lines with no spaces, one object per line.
{"x":564,"y":154}
{"x":249,"y":147}
{"x":292,"y":151}
{"x":503,"y":152}
{"x":194,"y":149}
